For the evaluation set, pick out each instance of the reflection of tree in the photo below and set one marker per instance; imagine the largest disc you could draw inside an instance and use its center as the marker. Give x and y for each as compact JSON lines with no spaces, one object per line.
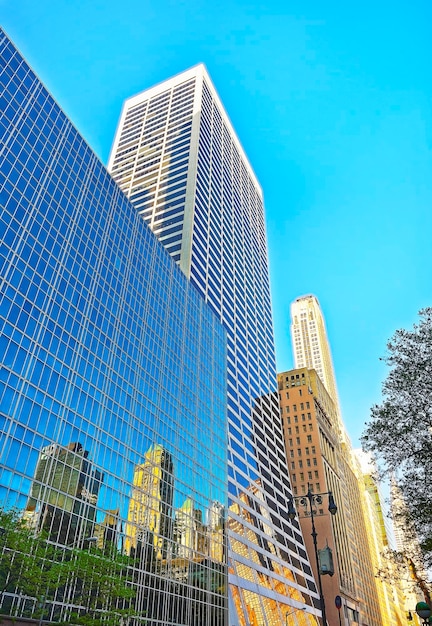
{"x":68,"y":585}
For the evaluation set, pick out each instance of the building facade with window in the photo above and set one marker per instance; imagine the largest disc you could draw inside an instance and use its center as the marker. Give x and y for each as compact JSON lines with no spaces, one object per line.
{"x":178,"y":159}
{"x":315,"y":462}
{"x":311,"y":347}
{"x":112,"y":380}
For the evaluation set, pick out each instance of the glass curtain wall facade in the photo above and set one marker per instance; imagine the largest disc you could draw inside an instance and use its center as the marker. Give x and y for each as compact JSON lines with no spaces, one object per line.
{"x":112,"y":381}
{"x":177,"y":157}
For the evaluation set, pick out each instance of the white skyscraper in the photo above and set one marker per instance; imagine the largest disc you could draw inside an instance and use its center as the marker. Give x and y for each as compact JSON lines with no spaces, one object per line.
{"x":178,"y":159}
{"x":310,"y":343}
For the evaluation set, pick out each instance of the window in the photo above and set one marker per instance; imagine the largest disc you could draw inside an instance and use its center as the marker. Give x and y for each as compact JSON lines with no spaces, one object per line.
{"x":298,"y":441}
{"x":288,"y":420}
{"x":307,"y":449}
{"x":289,"y":430}
{"x":297,"y":430}
{"x":294,"y":407}
{"x":310,"y":475}
{"x":303,"y":489}
{"x":301,"y":476}
{"x":316,"y":473}
{"x":313,"y":450}
{"x":307,"y":405}
{"x":293,"y":465}
{"x":291,"y":453}
{"x":300,"y":391}
{"x":287,"y":395}
{"x":304,"y":428}
{"x":300,"y":464}
{"x":310,"y":427}
{"x":296,"y":418}
{"x":317,"y":485}
{"x":309,"y":416}
{"x":303,"y":417}
{"x":295,"y":491}
{"x":315,"y":462}
{"x":287,"y":409}
{"x":302,"y":406}
{"x":294,"y":478}
{"x":290,"y":443}
{"x":309,"y":438}
{"x":299,"y":452}
{"x":308,"y":462}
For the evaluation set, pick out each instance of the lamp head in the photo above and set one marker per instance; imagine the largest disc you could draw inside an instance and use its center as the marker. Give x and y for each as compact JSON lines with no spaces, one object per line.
{"x":332,"y":505}
{"x":292,"y":513}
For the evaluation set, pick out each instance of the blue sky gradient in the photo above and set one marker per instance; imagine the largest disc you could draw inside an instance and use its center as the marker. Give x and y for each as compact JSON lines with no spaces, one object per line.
{"x":333,"y":105}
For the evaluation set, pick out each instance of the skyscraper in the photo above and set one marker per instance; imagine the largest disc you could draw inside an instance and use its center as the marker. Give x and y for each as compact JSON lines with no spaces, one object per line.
{"x":179,"y":161}
{"x":108,"y":346}
{"x":311,"y":350}
{"x":310,"y":343}
{"x":390,"y":587}
{"x":315,"y":457}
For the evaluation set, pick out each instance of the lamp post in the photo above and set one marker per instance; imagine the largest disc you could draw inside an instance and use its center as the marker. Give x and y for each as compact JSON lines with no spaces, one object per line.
{"x":312,"y":499}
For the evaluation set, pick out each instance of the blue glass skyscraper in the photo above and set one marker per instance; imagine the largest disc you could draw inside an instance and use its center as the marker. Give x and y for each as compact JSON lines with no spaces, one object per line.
{"x":112,"y":377}
{"x":178,"y":159}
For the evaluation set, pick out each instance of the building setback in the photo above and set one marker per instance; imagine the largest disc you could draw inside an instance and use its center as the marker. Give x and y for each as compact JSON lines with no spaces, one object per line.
{"x":113,"y":376}
{"x":178,"y":159}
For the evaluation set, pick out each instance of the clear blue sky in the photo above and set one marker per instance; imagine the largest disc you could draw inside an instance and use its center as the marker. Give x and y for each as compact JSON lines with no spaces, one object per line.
{"x":332,"y":103}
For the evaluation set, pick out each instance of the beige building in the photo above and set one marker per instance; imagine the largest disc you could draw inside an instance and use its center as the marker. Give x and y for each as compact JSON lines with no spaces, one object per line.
{"x":315,"y":434}
{"x":311,"y":347}
{"x":316,"y":461}
{"x":390,"y":596}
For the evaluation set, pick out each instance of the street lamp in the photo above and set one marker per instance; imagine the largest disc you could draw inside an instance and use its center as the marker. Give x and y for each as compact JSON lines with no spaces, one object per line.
{"x":312,"y":499}
{"x":423,"y":610}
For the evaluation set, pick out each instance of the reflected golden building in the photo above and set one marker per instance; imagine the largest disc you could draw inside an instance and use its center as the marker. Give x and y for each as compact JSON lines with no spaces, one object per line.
{"x":279,"y":580}
{"x":149,"y":514}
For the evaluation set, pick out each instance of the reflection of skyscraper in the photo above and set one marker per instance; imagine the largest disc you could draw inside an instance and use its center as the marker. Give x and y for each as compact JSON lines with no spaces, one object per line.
{"x":178,"y":159}
{"x":64,"y":493}
{"x":215,"y":530}
{"x":108,"y":531}
{"x":190,"y":533}
{"x":284,"y":579}
{"x":150,"y":508}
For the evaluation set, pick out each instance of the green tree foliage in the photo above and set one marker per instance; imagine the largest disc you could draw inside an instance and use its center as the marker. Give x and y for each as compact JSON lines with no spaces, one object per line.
{"x":400,"y":431}
{"x":72,"y":586}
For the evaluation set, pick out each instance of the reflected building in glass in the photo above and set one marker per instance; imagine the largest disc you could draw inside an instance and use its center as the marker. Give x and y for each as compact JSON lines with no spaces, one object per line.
{"x":113,"y":373}
{"x":149,"y":519}
{"x":178,"y":159}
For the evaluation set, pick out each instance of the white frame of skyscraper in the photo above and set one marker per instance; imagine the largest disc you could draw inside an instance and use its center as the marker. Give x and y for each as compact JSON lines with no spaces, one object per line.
{"x":178,"y":159}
